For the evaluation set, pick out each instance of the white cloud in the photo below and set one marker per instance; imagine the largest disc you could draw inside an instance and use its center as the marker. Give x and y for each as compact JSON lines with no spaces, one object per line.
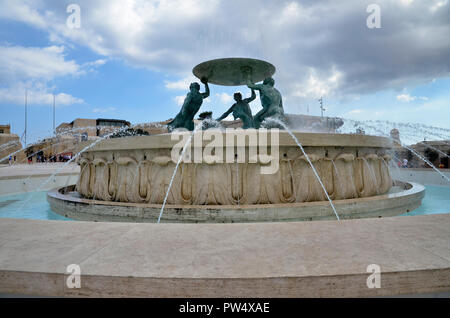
{"x":96,"y":62}
{"x":355,"y":111}
{"x":225,"y":98}
{"x":408,"y":98}
{"x":439,"y":4}
{"x":31,"y":68}
{"x":182,"y":84}
{"x":319,"y":47}
{"x":406,"y":2}
{"x":317,"y":85}
{"x":104,"y":110}
{"x":25,"y":63}
{"x":22,"y":11}
{"x":179,"y":100}
{"x":37,"y":94}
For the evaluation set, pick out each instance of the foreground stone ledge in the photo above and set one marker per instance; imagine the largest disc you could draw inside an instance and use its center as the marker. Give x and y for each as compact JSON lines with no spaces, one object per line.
{"x":398,"y":283}
{"x":21,"y":178}
{"x":296,"y":259}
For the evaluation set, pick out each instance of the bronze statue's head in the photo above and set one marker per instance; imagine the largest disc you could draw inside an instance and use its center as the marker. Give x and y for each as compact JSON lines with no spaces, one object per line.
{"x":194,"y":86}
{"x":237,"y":97}
{"x":269,"y":81}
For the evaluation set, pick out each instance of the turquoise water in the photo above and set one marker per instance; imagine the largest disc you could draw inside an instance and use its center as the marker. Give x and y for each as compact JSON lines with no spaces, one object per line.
{"x":37,"y":208}
{"x":436,"y":201}
{"x":34,"y":205}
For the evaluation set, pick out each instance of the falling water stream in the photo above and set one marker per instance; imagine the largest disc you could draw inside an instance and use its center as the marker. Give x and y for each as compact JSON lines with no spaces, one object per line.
{"x":13,"y":153}
{"x":66,"y":131}
{"x":65,"y":149}
{"x":372,"y":174}
{"x":337,"y":175}
{"x":413,"y":128}
{"x":71,"y":160}
{"x":279,"y":122}
{"x":199,"y":125}
{"x":237,"y":181}
{"x":404,"y":146}
{"x":436,"y":149}
{"x":396,"y":166}
{"x":9,"y":144}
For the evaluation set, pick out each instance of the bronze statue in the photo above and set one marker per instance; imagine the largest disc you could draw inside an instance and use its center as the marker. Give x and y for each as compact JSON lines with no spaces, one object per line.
{"x":191,"y":106}
{"x":271,"y":101}
{"x":241,"y":110}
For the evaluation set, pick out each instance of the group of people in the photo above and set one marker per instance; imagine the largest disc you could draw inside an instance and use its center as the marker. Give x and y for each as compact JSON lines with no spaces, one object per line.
{"x":271,"y":102}
{"x":55,"y":158}
{"x":42,"y":158}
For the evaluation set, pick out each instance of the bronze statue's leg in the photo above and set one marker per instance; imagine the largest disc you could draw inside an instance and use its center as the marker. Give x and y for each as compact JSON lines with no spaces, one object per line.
{"x":190,"y":125}
{"x":258,"y":118}
{"x":247,"y":123}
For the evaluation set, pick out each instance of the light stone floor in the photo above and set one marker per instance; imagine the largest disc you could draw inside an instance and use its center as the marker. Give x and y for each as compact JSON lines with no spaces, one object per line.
{"x":297,"y":259}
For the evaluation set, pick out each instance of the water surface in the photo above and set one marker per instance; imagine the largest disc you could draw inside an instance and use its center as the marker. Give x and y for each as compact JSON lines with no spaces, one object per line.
{"x":436,"y":201}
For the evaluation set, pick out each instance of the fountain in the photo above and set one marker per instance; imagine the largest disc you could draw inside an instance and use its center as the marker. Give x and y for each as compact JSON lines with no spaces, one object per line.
{"x":236,"y":175}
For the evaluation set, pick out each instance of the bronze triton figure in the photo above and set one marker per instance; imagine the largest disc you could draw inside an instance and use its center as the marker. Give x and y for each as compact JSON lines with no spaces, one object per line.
{"x":191,"y":106}
{"x":241,"y":110}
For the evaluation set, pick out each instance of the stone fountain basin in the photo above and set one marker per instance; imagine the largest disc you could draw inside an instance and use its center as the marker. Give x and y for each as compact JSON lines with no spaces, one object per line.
{"x":139,"y":169}
{"x":402,"y":198}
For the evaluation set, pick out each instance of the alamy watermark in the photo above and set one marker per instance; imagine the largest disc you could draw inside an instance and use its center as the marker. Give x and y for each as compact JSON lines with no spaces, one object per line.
{"x":374,"y":19}
{"x":74,"y":278}
{"x":74,"y":19}
{"x":229,"y":146}
{"x":374,"y":279}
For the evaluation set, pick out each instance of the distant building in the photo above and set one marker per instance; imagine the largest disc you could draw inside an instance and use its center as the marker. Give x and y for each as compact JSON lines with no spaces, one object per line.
{"x":437,"y":152}
{"x":85,"y":128}
{"x":58,"y":148}
{"x":9,"y":143}
{"x":306,"y":123}
{"x":71,"y":138}
{"x":5,"y":129}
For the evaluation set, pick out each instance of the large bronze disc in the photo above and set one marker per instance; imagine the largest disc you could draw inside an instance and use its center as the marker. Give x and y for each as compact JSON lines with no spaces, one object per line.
{"x":234,"y":71}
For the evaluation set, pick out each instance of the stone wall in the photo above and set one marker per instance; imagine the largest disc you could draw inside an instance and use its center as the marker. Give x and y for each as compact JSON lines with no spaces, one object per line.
{"x":10,"y":143}
{"x":143,"y":175}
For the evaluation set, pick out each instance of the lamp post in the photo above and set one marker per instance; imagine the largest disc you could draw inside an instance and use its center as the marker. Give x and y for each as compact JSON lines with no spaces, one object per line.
{"x":26,"y":106}
{"x":321,"y":105}
{"x":54,"y":131}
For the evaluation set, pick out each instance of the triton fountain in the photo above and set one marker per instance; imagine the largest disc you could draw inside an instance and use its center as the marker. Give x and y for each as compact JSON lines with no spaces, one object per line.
{"x":236,"y":175}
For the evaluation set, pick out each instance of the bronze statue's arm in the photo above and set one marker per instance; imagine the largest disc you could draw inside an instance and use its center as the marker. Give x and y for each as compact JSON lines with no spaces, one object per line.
{"x":225,"y":114}
{"x":251,"y":98}
{"x":206,"y":93}
{"x":254,"y":86}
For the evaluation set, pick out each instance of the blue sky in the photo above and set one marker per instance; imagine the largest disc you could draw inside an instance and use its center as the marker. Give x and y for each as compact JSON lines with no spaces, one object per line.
{"x":133,"y":59}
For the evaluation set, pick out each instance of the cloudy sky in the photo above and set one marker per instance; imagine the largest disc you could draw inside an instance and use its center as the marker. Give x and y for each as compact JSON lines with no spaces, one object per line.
{"x":133,"y":59}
